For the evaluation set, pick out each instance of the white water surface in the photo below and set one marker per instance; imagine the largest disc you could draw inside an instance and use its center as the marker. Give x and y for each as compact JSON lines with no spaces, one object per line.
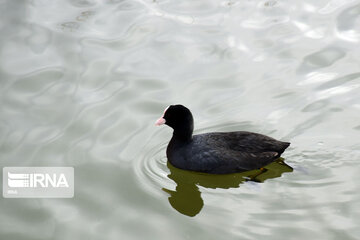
{"x":83,"y":81}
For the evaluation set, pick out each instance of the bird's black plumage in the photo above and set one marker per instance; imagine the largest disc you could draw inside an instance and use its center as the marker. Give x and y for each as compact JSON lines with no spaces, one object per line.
{"x":217,"y":152}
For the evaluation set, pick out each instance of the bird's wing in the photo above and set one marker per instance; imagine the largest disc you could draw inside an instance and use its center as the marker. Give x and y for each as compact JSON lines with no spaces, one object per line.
{"x":225,"y":160}
{"x":244,"y":142}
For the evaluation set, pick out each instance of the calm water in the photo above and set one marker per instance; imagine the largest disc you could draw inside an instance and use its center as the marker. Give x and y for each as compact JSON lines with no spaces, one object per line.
{"x":83,"y":81}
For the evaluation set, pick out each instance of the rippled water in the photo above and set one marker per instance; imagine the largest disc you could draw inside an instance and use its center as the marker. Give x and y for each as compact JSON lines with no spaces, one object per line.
{"x":83,"y":81}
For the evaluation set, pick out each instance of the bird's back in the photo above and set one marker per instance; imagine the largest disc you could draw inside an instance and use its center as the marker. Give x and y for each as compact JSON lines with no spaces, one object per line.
{"x":221,"y":152}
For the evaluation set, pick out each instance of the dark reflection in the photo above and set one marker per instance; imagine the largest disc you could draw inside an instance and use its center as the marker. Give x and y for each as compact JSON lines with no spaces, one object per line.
{"x":187,"y":200}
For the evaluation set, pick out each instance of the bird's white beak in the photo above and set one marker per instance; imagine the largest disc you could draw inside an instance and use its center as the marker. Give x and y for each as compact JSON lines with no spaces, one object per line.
{"x":160,"y":121}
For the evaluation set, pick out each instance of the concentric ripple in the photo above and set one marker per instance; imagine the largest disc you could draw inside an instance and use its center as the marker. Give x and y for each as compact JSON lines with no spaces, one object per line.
{"x":151,"y":169}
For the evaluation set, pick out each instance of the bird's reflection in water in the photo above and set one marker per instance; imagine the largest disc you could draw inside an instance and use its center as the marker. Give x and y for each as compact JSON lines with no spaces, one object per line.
{"x":187,"y":200}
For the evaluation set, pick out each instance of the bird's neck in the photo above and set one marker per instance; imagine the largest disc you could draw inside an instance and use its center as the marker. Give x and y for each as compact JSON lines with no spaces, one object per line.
{"x":183,"y":134}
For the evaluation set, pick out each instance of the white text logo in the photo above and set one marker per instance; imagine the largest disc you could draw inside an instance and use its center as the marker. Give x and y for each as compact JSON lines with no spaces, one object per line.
{"x":38,"y":182}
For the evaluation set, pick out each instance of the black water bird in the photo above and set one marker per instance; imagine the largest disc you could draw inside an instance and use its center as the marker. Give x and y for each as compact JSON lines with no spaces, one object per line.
{"x":216,"y":152}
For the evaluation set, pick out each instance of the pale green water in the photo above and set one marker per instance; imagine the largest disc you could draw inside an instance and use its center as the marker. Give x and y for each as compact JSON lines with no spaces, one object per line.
{"x":82,"y":83}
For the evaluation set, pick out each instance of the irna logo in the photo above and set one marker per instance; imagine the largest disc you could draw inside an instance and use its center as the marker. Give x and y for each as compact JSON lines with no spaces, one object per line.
{"x":34,"y":180}
{"x":38,"y":182}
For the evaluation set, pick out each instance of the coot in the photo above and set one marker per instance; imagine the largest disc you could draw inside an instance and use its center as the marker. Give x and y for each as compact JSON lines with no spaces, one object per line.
{"x":216,"y":152}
